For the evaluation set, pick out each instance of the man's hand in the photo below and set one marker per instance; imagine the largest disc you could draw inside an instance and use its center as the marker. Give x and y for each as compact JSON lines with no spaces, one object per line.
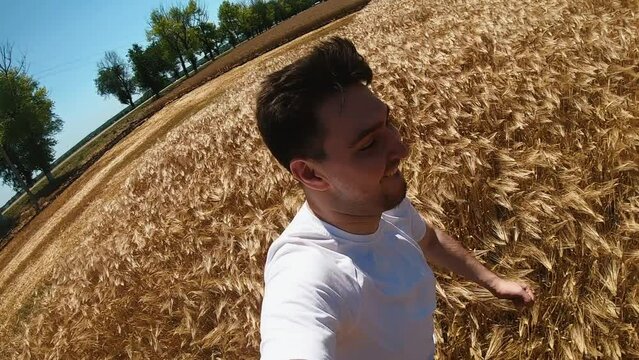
{"x":442,"y":250}
{"x":521,"y":294}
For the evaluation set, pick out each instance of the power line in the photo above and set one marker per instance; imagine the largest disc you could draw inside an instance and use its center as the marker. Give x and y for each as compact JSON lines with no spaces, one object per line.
{"x":64,"y":67}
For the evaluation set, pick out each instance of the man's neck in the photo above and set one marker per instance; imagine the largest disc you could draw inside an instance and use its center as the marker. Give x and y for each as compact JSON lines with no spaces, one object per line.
{"x":353,"y":224}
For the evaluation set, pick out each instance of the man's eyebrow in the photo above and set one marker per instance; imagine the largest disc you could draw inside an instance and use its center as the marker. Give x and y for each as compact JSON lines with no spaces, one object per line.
{"x":364,"y":133}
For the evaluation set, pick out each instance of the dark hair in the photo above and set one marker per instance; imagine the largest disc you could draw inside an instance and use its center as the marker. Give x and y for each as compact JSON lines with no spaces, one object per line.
{"x":288,"y":99}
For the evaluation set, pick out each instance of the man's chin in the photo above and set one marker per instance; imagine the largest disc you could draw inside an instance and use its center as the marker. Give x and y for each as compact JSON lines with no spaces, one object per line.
{"x":391,"y":201}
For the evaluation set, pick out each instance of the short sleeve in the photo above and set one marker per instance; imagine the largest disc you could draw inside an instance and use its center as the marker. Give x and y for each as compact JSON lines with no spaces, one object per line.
{"x":303,"y":307}
{"x":406,"y":218}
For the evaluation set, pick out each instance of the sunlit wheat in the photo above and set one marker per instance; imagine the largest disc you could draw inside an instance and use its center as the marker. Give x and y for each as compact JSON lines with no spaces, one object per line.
{"x":523,"y":118}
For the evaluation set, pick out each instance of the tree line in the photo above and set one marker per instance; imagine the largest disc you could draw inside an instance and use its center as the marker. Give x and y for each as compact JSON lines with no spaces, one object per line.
{"x":180,"y":36}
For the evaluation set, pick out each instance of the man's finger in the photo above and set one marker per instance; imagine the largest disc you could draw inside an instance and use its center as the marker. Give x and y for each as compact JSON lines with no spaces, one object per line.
{"x":531,"y":294}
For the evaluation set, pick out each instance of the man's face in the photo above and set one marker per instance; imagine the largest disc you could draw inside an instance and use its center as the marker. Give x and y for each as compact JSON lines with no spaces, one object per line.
{"x":363,"y":151}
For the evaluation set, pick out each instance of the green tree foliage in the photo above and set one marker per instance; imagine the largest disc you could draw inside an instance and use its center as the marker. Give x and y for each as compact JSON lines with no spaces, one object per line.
{"x":35,"y":145}
{"x":183,"y":22}
{"x":150,"y":67}
{"x":210,"y":39}
{"x":164,"y":30}
{"x":261,"y":15}
{"x":240,"y":21}
{"x":115,"y":78}
{"x":209,"y":35}
{"x":177,"y":28}
{"x":230,"y":17}
{"x":186,"y":32}
{"x":171,"y":57}
{"x":278,"y":10}
{"x":27,"y":126}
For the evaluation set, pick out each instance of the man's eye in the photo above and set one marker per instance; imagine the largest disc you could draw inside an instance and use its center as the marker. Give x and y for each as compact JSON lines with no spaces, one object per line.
{"x":368,"y":146}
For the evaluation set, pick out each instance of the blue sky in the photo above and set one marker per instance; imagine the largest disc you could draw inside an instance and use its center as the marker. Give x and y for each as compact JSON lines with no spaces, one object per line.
{"x":63,"y":41}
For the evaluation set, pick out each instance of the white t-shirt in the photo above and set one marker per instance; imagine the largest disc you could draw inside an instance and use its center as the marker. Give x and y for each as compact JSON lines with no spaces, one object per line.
{"x":333,"y":295}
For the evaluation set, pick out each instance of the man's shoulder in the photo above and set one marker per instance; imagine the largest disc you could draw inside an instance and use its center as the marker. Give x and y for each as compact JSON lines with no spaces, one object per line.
{"x":407,"y":219}
{"x":301,"y":236}
{"x":303,"y":251}
{"x":297,"y":257}
{"x":310,"y":271}
{"x":306,"y":252}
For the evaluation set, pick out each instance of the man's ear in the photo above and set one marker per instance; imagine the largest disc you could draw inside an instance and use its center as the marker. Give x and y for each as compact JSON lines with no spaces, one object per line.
{"x":304,"y":171}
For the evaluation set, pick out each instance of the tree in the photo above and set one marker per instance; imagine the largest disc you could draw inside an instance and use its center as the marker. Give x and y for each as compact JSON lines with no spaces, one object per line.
{"x":278,"y":10}
{"x":36,"y":143}
{"x":261,"y":15}
{"x":183,"y":19}
{"x":229,"y":15}
{"x":165,"y":30}
{"x":115,"y":78}
{"x":150,"y":66}
{"x":14,"y":172}
{"x":27,"y":126}
{"x":250,"y":24}
{"x":211,"y":38}
{"x":171,"y":57}
{"x":12,"y":177}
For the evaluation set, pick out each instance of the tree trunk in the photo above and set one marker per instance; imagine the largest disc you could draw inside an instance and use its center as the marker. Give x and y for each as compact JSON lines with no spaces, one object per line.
{"x":208,"y":48}
{"x":23,"y":183}
{"x":131,"y":102}
{"x":26,"y":174}
{"x":176,"y":73}
{"x":49,"y":175}
{"x":186,"y":73}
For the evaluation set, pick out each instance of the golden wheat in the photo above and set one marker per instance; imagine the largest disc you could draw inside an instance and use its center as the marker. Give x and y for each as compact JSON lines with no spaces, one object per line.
{"x":523,"y":118}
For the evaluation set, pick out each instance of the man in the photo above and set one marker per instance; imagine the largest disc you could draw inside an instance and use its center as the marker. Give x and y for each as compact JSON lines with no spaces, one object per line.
{"x":348,"y":278}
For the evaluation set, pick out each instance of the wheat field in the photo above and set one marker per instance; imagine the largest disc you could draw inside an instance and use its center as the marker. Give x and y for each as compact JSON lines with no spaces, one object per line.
{"x":523,"y":122}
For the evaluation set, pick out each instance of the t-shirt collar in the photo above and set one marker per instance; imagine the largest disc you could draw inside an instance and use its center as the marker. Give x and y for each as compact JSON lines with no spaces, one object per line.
{"x":341,"y":234}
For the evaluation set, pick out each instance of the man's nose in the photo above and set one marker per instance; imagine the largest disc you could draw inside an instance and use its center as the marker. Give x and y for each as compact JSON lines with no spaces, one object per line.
{"x":400,"y":149}
{"x":403,"y":148}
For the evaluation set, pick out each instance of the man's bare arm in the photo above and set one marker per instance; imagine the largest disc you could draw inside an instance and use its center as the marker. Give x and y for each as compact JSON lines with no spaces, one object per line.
{"x":442,"y":250}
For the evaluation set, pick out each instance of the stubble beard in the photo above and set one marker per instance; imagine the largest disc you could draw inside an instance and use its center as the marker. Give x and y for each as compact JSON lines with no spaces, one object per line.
{"x":385,"y":201}
{"x":390,"y":201}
